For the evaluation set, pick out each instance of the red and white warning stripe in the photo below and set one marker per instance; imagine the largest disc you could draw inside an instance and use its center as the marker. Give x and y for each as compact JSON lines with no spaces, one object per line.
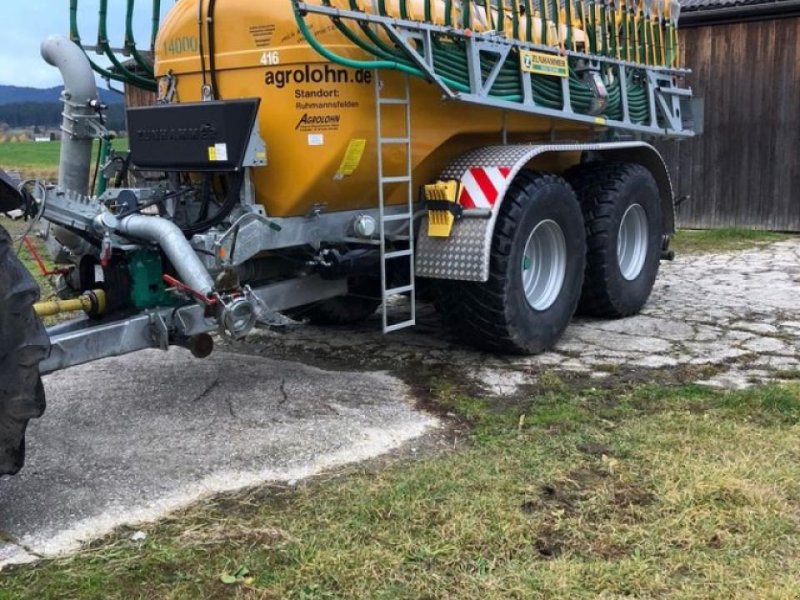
{"x":483,"y":187}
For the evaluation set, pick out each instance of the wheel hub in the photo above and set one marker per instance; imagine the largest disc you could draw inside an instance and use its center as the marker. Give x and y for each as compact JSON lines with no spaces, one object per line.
{"x":544,"y":265}
{"x":632,"y":242}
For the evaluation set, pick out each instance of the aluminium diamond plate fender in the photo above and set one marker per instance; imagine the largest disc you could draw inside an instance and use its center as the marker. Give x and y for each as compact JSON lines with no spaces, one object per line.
{"x":486,"y":174}
{"x":23,"y":345}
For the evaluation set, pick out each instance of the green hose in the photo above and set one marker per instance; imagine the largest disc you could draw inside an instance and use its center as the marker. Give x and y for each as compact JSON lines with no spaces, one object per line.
{"x":393,"y":65}
{"x":123,"y":75}
{"x":156,"y":24}
{"x":450,"y":62}
{"x":528,"y":20}
{"x":75,"y":36}
{"x":130,"y":42}
{"x":102,"y":43}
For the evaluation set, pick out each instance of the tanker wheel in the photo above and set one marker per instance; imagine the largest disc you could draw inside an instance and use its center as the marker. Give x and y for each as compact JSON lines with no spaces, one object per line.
{"x":624,"y":232}
{"x":357,"y":306}
{"x":23,"y":345}
{"x":536,"y":271}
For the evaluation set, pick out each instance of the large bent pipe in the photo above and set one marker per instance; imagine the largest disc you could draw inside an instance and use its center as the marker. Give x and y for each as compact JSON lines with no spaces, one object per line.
{"x":80,"y":94}
{"x":172,"y":241}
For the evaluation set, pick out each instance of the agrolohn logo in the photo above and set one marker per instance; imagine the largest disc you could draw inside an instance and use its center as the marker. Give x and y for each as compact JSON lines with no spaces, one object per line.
{"x":316,"y":121}
{"x":280,"y":78}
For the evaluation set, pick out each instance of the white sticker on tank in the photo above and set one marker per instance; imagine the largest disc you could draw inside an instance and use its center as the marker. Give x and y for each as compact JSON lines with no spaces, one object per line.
{"x":316,"y":139}
{"x":221,"y":152}
{"x":270,"y":58}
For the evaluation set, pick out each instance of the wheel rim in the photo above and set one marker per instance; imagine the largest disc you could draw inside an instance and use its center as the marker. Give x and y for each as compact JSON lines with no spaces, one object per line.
{"x":632,"y":242}
{"x":544,"y":265}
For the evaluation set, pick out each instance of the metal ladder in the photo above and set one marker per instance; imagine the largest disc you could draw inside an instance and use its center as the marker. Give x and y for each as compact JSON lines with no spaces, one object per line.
{"x":390,"y":221}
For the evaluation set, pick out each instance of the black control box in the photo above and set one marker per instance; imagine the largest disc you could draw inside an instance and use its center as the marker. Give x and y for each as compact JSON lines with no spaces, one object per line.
{"x":197,"y":136}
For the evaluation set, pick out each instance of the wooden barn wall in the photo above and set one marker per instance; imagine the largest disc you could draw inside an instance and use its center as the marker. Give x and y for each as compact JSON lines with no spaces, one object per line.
{"x":137,"y":97}
{"x":744,"y":171}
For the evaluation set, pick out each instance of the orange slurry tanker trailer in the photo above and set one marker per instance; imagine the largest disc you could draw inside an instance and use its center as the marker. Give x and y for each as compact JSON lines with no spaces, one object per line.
{"x":328,"y":159}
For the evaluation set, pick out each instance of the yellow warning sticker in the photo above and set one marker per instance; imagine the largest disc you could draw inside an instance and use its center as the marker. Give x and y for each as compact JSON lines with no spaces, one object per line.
{"x":218,"y":153}
{"x":541,"y":63}
{"x":599,"y":121}
{"x":352,"y":158}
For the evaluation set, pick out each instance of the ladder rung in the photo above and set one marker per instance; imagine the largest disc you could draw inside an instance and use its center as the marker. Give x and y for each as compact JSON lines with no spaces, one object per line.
{"x":399,"y":326}
{"x":393,"y":101}
{"x":399,"y":179}
{"x":398,"y":217}
{"x":397,"y":254}
{"x":399,"y":291}
{"x":400,"y":140}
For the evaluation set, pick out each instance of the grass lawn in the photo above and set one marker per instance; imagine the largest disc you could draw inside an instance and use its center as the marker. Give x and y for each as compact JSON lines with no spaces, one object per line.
{"x":572,"y":492}
{"x":37,"y":159}
{"x":694,"y":241}
{"x":17,"y":229}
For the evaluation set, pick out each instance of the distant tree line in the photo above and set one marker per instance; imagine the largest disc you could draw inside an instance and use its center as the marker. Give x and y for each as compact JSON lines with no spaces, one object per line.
{"x":48,"y":114}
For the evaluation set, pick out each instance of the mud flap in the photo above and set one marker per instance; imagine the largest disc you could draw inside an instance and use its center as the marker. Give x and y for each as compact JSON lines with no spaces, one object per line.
{"x":23,"y":345}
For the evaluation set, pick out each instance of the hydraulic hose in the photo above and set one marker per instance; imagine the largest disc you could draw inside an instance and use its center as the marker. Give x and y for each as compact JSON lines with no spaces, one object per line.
{"x":212,"y":50}
{"x":232,"y":197}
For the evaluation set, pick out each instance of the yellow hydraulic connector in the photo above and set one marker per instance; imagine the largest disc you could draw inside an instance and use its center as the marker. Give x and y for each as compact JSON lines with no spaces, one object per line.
{"x":443,"y":207}
{"x":92,"y":303}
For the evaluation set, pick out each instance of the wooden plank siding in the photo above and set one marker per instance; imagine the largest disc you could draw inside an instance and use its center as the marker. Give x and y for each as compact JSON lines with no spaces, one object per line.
{"x":137,"y":97}
{"x":744,"y":171}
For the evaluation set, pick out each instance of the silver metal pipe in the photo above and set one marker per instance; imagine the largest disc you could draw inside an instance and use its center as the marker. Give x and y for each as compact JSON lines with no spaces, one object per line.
{"x":174,"y":244}
{"x":80,"y":90}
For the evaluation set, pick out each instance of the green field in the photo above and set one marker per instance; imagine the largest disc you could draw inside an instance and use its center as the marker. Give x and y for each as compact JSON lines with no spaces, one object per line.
{"x":37,"y":159}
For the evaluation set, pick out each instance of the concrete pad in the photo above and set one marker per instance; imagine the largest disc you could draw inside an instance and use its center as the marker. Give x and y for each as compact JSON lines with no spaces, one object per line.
{"x":129,"y":439}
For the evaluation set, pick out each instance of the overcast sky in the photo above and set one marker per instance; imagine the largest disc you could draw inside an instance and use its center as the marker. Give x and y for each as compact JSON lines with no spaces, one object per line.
{"x":27,"y":22}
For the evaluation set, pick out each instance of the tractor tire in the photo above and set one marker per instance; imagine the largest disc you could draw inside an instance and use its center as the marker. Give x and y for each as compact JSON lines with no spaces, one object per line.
{"x":536,"y":271}
{"x":624,"y":233}
{"x":23,"y":345}
{"x":353,"y":308}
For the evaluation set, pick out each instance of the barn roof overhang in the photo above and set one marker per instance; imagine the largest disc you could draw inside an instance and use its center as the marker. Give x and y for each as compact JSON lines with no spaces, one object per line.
{"x":697,"y":13}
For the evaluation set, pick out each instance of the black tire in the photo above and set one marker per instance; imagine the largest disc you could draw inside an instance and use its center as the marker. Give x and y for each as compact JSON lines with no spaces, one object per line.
{"x":23,"y":345}
{"x":496,"y":315}
{"x":606,"y":192}
{"x":357,"y":306}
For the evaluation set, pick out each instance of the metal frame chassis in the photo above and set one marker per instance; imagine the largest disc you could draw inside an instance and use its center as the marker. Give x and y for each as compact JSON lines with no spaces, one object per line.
{"x":83,"y":340}
{"x":663,"y":91}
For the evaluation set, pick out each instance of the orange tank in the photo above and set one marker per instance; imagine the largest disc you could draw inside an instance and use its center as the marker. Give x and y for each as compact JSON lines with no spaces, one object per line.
{"x":317,"y":118}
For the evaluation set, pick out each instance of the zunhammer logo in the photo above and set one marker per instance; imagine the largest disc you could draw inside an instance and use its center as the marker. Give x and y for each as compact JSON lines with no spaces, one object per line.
{"x":318,"y":122}
{"x":204,"y":132}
